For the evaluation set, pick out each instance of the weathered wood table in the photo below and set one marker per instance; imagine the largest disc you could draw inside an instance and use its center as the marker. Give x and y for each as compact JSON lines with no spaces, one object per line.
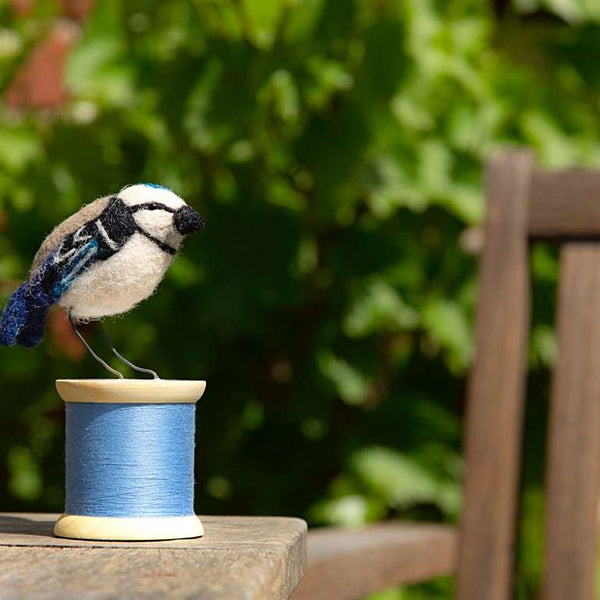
{"x":248,"y":558}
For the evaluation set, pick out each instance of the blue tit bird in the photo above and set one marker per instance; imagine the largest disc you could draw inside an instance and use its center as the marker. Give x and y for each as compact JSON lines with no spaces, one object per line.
{"x":101,"y":261}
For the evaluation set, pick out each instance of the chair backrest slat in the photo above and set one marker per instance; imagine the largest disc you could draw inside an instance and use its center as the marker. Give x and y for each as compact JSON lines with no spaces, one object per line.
{"x":573,"y":462}
{"x":565,"y":204}
{"x":496,"y":387}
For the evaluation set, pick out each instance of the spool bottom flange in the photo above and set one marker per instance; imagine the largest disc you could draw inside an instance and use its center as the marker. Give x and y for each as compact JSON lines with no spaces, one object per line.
{"x":128,"y":529}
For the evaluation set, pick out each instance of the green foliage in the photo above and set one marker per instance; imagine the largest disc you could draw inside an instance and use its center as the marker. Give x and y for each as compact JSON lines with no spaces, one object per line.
{"x":336,"y":150}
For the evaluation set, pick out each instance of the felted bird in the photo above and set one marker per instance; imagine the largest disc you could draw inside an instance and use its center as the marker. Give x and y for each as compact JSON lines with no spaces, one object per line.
{"x":103,"y":260}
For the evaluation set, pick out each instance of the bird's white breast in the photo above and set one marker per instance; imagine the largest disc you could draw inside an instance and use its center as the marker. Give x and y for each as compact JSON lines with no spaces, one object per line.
{"x":116,"y":285}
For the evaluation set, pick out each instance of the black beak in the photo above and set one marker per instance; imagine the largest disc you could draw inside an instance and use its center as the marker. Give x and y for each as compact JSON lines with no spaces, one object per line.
{"x":187,"y":220}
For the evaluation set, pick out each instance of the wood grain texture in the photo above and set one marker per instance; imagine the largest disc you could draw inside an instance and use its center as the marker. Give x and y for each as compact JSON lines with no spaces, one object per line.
{"x":246,"y":558}
{"x":565,"y":204}
{"x":348,"y":564}
{"x":130,"y":391}
{"x":573,"y":465}
{"x":496,"y":389}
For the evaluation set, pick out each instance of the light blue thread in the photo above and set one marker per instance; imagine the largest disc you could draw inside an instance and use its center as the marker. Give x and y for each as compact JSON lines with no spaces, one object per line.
{"x":130,"y":460}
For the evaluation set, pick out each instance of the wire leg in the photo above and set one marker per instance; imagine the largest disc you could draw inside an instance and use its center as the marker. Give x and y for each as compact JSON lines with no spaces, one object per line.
{"x":89,"y":349}
{"x":122,"y":358}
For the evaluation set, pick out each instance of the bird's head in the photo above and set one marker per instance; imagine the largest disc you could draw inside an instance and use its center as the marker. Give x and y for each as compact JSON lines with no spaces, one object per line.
{"x":161,"y":212}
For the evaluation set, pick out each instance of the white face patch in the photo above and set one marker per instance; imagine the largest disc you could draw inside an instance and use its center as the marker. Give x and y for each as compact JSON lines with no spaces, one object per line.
{"x":159,"y":223}
{"x":142,"y":193}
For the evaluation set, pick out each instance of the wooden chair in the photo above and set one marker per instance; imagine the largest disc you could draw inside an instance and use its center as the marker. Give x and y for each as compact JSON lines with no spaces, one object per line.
{"x":523,"y":204}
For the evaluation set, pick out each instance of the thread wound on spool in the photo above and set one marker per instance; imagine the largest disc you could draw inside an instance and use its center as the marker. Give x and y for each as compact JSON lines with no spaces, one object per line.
{"x":130,"y":460}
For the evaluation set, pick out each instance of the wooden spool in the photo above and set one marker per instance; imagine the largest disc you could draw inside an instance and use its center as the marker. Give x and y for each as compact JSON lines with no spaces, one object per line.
{"x":127,"y":392}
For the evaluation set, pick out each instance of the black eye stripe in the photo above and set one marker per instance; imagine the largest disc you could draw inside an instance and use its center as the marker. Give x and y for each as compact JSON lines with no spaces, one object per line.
{"x":152,"y":206}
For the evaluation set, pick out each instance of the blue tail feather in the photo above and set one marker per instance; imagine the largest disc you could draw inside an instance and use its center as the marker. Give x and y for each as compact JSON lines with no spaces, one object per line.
{"x":34,"y":328}
{"x":14,"y":316}
{"x":24,"y":317}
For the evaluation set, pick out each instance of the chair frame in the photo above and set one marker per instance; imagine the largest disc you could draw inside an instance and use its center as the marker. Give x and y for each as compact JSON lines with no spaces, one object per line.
{"x":524,"y":204}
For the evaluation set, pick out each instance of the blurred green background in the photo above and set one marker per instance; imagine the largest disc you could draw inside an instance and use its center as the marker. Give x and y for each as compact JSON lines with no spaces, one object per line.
{"x":336,"y":150}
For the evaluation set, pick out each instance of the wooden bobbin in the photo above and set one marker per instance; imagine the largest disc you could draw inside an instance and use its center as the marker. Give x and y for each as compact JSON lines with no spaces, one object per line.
{"x":129,"y":391}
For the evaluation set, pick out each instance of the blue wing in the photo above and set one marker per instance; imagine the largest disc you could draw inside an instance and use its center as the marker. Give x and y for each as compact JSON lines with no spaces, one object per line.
{"x":24,"y":318}
{"x":64,"y":267}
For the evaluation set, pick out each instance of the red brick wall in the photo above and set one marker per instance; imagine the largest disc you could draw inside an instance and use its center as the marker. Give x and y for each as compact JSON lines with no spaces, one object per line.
{"x":39,"y":83}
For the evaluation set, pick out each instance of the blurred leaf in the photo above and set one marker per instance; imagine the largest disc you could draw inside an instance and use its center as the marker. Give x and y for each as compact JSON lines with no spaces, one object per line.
{"x":349,"y":511}
{"x":25,"y":478}
{"x":401,"y":481}
{"x":448,"y":326}
{"x":18,"y":147}
{"x":280,"y":91}
{"x":263,"y":17}
{"x":543,"y":346}
{"x":379,"y":308}
{"x":352,"y":386}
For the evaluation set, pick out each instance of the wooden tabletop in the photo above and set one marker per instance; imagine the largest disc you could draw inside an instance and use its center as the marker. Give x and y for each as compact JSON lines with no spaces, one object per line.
{"x":248,"y":558}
